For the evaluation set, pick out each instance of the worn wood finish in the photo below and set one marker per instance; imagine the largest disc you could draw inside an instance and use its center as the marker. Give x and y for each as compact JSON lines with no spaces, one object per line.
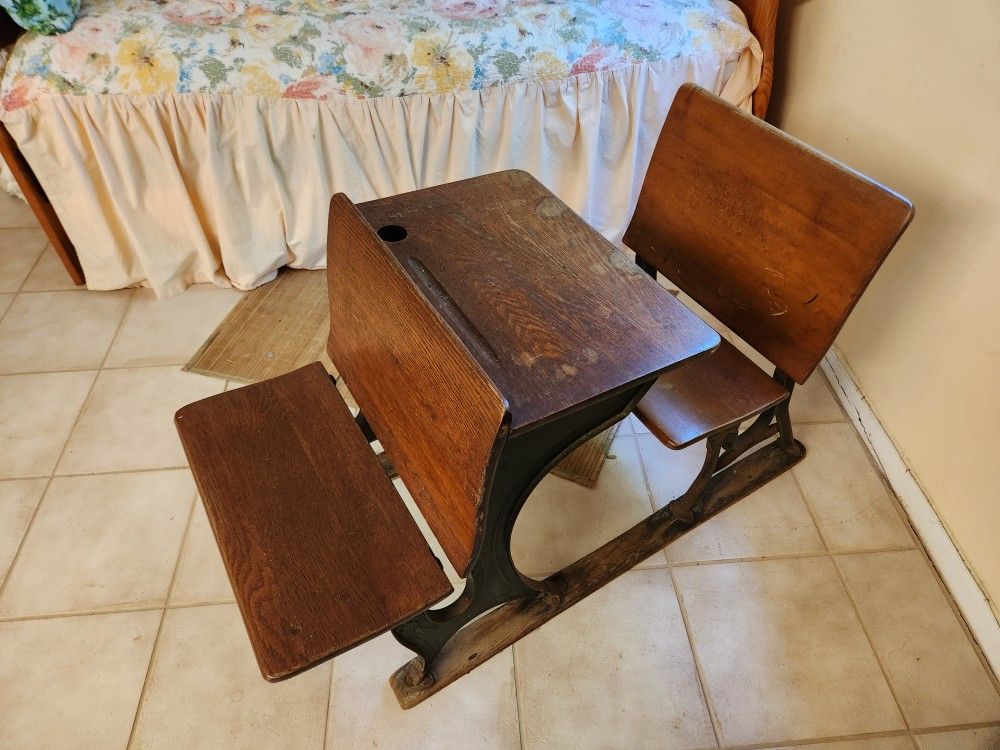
{"x":707,"y":395}
{"x":438,"y":415}
{"x":320,"y":549}
{"x":775,"y":239}
{"x":538,"y":297}
{"x":762,"y":19}
{"x":497,"y":630}
{"x":41,"y":207}
{"x":274,"y":329}
{"x":583,"y":465}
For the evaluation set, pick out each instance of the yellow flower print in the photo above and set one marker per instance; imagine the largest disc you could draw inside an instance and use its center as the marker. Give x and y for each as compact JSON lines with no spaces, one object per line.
{"x":547,"y":67}
{"x":145,"y":67}
{"x":720,"y":34}
{"x":264,"y":27}
{"x":441,"y":67}
{"x":257,"y":81}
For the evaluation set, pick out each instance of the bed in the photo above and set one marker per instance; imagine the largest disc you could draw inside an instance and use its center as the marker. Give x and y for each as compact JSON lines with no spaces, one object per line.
{"x":166,"y":143}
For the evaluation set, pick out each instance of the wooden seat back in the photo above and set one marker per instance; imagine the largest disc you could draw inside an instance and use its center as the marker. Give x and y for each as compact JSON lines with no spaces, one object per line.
{"x":772,"y":237}
{"x":438,"y":415}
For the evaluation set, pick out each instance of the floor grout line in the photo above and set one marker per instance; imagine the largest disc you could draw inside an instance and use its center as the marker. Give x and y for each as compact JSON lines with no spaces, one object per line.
{"x":24,"y":281}
{"x":45,"y":492}
{"x":116,"y":610}
{"x":24,"y":536}
{"x":955,"y":728}
{"x":329,"y":704}
{"x":76,"y":474}
{"x":34,"y":265}
{"x":678,"y":595}
{"x":163,"y":617}
{"x":111,"y":472}
{"x":854,"y":605}
{"x":818,"y":742}
{"x":107,"y":368}
{"x":518,"y":705}
{"x":788,"y":556}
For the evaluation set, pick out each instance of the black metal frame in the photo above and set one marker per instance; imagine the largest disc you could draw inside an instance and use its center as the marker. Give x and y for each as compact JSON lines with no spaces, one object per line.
{"x":727,"y":445}
{"x":493,"y":578}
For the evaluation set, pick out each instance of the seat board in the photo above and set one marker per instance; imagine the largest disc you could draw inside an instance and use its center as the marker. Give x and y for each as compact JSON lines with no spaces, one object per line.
{"x":722,"y":389}
{"x":320,"y":549}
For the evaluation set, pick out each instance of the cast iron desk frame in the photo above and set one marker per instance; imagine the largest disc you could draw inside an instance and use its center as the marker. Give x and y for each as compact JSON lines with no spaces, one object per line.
{"x":498,"y":604}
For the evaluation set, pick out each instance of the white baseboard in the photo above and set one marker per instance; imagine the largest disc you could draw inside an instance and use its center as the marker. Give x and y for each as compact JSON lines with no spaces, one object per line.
{"x":964,"y":588}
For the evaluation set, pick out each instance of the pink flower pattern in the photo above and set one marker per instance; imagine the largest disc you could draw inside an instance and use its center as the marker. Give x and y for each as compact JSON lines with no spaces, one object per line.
{"x":321,"y":49}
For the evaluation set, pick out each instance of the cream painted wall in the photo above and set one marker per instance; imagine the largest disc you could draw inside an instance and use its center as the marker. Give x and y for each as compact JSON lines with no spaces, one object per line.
{"x":908,"y":91}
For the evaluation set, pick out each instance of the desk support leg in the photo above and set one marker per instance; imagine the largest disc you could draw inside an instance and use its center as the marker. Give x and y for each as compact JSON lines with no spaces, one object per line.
{"x":493,"y":578}
{"x":496,"y":630}
{"x":732,"y":471}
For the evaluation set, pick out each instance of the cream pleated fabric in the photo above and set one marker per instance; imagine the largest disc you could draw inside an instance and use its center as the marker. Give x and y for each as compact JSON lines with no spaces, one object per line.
{"x":171,"y":190}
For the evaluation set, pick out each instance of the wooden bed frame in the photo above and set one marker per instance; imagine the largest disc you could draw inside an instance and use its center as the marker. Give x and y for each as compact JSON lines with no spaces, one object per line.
{"x":762,"y":17}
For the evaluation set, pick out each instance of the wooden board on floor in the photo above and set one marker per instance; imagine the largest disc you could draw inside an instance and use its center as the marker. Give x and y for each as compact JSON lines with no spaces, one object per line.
{"x":283,"y":325}
{"x":273,"y":330}
{"x":584,"y":465}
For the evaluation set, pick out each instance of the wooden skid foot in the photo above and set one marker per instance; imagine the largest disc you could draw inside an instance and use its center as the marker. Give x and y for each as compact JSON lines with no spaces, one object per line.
{"x":508,"y":623}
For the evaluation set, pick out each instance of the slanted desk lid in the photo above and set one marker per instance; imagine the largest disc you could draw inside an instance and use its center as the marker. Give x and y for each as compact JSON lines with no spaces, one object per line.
{"x":552,"y":311}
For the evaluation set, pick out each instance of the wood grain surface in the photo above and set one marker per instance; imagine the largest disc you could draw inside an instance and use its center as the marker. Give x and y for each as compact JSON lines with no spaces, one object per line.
{"x":555,"y":314}
{"x":274,"y":329}
{"x":722,"y":389}
{"x":775,"y":239}
{"x":320,"y":549}
{"x":438,"y":415}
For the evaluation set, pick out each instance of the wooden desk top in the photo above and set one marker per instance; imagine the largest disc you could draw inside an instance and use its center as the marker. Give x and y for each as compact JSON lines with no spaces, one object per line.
{"x":555,"y":314}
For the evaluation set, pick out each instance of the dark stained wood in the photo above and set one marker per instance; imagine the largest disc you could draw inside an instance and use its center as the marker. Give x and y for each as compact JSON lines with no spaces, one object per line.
{"x":556,"y":315}
{"x":762,"y":18}
{"x":40,"y":205}
{"x":773,"y":238}
{"x":507,"y":624}
{"x":709,"y":394}
{"x":438,"y":415}
{"x":320,"y":549}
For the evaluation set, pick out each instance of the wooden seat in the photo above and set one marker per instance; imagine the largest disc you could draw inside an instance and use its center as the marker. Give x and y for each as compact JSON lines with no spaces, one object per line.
{"x":320,"y":549}
{"x":706,"y":395}
{"x":775,"y":240}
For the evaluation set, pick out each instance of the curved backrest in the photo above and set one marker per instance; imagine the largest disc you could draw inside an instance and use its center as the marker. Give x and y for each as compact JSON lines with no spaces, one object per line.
{"x":438,"y":415}
{"x":773,"y":238}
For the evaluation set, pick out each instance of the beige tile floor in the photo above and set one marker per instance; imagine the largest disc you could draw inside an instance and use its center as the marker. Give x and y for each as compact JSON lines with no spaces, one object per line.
{"x":806,"y":616}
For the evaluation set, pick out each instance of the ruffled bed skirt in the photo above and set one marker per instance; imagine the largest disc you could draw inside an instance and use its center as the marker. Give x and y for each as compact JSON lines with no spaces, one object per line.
{"x":174,"y":190}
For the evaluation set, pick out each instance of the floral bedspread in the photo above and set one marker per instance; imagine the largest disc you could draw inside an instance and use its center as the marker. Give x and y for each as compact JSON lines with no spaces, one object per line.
{"x":318,"y":49}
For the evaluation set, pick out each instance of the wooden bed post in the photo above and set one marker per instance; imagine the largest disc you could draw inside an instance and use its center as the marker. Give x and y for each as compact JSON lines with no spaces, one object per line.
{"x":26,"y":180}
{"x":39,"y":203}
{"x":762,"y":18}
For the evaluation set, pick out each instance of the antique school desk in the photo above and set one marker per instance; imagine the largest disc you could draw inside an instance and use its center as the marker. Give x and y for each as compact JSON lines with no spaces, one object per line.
{"x":485,"y":331}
